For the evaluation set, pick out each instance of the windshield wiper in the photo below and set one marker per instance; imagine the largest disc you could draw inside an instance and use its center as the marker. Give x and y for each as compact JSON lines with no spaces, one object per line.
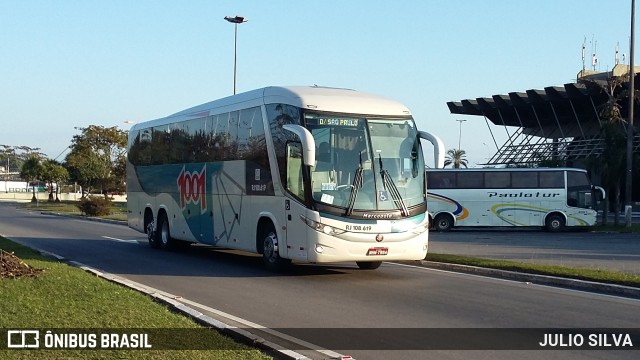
{"x":388,"y":184}
{"x":355,"y":187}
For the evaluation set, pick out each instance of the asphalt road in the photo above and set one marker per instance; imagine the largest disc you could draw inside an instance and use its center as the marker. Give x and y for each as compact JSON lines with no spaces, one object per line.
{"x":596,"y":250}
{"x":395,"y":301}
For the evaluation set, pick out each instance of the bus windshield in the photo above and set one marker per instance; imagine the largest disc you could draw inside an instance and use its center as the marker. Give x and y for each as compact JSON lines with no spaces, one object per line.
{"x":366,"y":164}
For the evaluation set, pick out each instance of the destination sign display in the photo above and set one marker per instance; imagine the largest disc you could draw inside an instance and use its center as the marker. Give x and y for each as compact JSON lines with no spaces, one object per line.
{"x":338,"y":122}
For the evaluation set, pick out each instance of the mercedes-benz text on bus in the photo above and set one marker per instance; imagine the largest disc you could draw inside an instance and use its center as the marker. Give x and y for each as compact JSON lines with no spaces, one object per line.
{"x":549,"y":197}
{"x":308,"y":174}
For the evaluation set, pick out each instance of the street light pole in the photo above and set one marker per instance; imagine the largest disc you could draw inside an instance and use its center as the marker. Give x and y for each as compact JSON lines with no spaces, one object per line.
{"x":235,"y":21}
{"x":460,"y":136}
{"x":630,"y":135}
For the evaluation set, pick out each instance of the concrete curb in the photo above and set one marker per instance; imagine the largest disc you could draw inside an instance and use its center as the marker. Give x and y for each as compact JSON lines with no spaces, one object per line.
{"x":238,"y":334}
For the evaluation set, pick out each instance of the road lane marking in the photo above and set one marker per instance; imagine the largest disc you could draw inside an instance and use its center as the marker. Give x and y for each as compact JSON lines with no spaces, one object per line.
{"x":332,"y":354}
{"x":121,"y":240}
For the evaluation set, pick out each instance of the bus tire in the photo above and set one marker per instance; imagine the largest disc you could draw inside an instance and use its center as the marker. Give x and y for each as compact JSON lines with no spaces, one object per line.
{"x":164,"y":232}
{"x":270,"y":253}
{"x":554,"y":223}
{"x":368,"y":265}
{"x":443,"y":222}
{"x":152,"y":236}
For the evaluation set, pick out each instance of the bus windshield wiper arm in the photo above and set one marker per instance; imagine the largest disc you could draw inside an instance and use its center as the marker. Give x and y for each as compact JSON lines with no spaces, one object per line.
{"x":355,"y":187}
{"x":388,"y":184}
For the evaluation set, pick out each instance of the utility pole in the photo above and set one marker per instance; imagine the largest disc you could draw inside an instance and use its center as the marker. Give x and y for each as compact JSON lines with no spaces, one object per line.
{"x":460,"y":136}
{"x":630,"y":133}
{"x":235,"y":21}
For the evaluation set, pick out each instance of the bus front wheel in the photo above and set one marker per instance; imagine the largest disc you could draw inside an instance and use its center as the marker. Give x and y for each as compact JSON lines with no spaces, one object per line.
{"x":368,"y":265}
{"x":443,"y":222}
{"x":270,"y":253}
{"x":554,"y":223}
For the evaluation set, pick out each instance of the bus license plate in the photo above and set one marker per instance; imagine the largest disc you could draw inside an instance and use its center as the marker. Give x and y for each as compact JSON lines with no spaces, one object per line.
{"x":377,"y":251}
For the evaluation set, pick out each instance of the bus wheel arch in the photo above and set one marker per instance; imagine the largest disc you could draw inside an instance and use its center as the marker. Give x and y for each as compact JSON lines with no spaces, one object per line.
{"x":555,"y":222}
{"x":267,"y":245}
{"x":443,"y":222}
{"x":150,"y":228}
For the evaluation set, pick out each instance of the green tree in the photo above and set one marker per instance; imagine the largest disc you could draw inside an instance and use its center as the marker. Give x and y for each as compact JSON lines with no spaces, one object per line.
{"x":31,"y":171}
{"x":456,"y":158}
{"x":96,"y":158}
{"x":53,"y":172}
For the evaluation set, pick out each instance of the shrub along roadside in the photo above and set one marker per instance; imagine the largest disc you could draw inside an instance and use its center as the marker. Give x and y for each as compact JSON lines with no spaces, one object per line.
{"x":94,"y":206}
{"x":63,"y":296}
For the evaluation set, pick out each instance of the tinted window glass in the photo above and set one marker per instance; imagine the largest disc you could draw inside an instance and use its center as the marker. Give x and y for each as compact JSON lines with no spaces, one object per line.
{"x":441,"y":180}
{"x":249,"y":118}
{"x":524,"y":179}
{"x":551,"y":179}
{"x":278,"y":115}
{"x":161,"y":145}
{"x":470,"y":180}
{"x":498,"y":180}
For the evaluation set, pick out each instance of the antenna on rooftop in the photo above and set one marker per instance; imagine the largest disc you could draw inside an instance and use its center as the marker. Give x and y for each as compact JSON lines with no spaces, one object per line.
{"x":584,"y":45}
{"x":617,"y":53}
{"x":594,"y":58}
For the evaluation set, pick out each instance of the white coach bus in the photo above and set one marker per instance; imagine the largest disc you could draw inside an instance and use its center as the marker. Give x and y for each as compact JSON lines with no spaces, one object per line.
{"x":548,"y":197}
{"x":309,"y":174}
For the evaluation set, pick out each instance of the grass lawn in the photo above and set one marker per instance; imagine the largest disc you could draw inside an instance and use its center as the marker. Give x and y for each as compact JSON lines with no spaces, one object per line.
{"x":118,"y":210}
{"x":597,"y":275}
{"x":63,"y":296}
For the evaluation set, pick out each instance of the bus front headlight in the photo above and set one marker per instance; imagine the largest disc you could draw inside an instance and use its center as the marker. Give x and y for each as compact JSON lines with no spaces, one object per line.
{"x":320,"y":227}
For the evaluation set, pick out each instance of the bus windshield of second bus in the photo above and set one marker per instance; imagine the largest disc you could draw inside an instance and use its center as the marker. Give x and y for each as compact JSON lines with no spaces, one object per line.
{"x":554,"y":198}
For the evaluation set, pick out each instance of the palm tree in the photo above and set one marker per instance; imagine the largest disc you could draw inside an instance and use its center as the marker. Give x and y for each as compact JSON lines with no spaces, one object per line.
{"x":31,"y":171}
{"x":613,"y":159}
{"x":456,"y":157}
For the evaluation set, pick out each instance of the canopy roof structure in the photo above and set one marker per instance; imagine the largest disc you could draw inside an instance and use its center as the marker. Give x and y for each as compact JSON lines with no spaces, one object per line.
{"x":562,"y":124}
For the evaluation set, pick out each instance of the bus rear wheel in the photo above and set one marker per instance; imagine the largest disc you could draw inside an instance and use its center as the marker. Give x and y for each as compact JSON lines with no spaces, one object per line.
{"x":443,"y":222}
{"x":164,"y":233}
{"x":152,"y":236}
{"x":270,"y":253}
{"x":368,"y":265}
{"x":554,"y":223}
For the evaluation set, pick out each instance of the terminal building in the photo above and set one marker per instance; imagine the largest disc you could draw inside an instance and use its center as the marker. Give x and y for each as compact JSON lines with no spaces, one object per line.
{"x":559,"y":125}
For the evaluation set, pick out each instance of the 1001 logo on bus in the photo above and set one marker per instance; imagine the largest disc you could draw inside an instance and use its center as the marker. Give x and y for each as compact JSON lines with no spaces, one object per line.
{"x":193,"y":188}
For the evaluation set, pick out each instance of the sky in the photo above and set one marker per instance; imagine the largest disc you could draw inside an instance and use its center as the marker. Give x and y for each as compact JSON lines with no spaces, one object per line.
{"x":67,"y":64}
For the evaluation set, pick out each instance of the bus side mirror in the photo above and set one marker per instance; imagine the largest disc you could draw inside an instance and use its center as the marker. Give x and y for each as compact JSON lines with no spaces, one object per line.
{"x":307,"y":141}
{"x":598,"y":192}
{"x":438,"y":148}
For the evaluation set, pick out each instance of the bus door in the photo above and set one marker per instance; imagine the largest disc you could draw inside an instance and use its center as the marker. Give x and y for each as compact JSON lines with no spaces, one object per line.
{"x":296,"y":240}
